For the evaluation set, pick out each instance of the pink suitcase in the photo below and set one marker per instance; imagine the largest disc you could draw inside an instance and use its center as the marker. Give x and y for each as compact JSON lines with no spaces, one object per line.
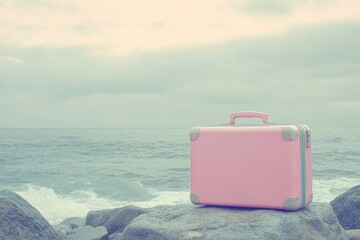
{"x":261,"y":166}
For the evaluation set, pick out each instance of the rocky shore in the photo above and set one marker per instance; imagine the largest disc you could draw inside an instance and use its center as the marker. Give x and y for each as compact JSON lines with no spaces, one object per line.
{"x":338,"y":220}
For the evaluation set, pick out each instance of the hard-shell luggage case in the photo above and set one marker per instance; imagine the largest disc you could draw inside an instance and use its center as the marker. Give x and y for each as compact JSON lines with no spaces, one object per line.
{"x":261,"y":166}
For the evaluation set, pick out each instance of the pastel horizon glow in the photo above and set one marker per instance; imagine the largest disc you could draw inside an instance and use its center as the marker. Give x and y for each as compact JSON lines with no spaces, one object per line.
{"x":178,"y":63}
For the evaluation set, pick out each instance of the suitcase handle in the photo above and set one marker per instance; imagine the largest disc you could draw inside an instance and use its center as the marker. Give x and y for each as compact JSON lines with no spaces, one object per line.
{"x":261,"y":115}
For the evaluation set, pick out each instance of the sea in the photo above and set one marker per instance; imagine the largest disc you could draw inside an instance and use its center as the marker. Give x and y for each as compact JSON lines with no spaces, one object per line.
{"x":69,"y":172}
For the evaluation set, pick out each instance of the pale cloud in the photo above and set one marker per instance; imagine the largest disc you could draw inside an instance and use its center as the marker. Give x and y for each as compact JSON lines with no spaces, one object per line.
{"x":308,"y":74}
{"x":177,"y":63}
{"x":116,"y":28}
{"x":10,"y":59}
{"x":348,"y":104}
{"x":266,"y":7}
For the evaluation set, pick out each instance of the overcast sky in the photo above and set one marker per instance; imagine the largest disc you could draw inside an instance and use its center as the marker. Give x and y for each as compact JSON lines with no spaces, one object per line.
{"x":178,"y":63}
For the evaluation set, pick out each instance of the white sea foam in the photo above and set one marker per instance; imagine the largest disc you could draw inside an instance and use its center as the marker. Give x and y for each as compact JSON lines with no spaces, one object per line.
{"x":327,"y":190}
{"x":55,"y":207}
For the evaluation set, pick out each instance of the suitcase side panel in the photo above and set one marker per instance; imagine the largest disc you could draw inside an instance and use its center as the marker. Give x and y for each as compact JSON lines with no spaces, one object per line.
{"x":302,"y":132}
{"x":307,"y":195}
{"x":220,"y":167}
{"x":309,"y":191}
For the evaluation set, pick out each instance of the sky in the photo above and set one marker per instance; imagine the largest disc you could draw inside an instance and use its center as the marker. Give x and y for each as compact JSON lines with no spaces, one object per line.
{"x":178,"y":63}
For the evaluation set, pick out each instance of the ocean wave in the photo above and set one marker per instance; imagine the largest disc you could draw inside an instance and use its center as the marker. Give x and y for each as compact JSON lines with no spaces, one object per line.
{"x":327,"y":190}
{"x":56,"y":207}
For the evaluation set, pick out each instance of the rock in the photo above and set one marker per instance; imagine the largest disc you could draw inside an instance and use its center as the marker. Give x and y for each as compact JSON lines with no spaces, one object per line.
{"x":63,"y":230}
{"x":98,"y":218}
{"x":74,"y":222}
{"x":186,"y":221}
{"x":353,"y":234}
{"x":67,"y":226}
{"x":115,"y":236}
{"x":347,"y":208}
{"x":19,"y":220}
{"x":114,"y":220}
{"x":88,"y":233}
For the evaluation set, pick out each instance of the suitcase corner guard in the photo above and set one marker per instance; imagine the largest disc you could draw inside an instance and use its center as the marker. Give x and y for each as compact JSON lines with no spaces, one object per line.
{"x":289,"y":133}
{"x":292,"y":204}
{"x":194,"y":199}
{"x":194,"y":133}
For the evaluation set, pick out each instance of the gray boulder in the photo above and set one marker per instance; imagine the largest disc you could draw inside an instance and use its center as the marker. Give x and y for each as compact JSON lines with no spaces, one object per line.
{"x":347,"y":208}
{"x":67,"y":226}
{"x":20,"y":221}
{"x":114,"y":220}
{"x":62,"y":230}
{"x":114,"y":236}
{"x":74,"y":222}
{"x":186,"y":221}
{"x":353,"y":234}
{"x":99,"y":218}
{"x":88,"y":233}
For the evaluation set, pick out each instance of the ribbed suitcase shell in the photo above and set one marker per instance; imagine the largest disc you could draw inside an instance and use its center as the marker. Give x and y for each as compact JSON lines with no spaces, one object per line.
{"x":262,"y":166}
